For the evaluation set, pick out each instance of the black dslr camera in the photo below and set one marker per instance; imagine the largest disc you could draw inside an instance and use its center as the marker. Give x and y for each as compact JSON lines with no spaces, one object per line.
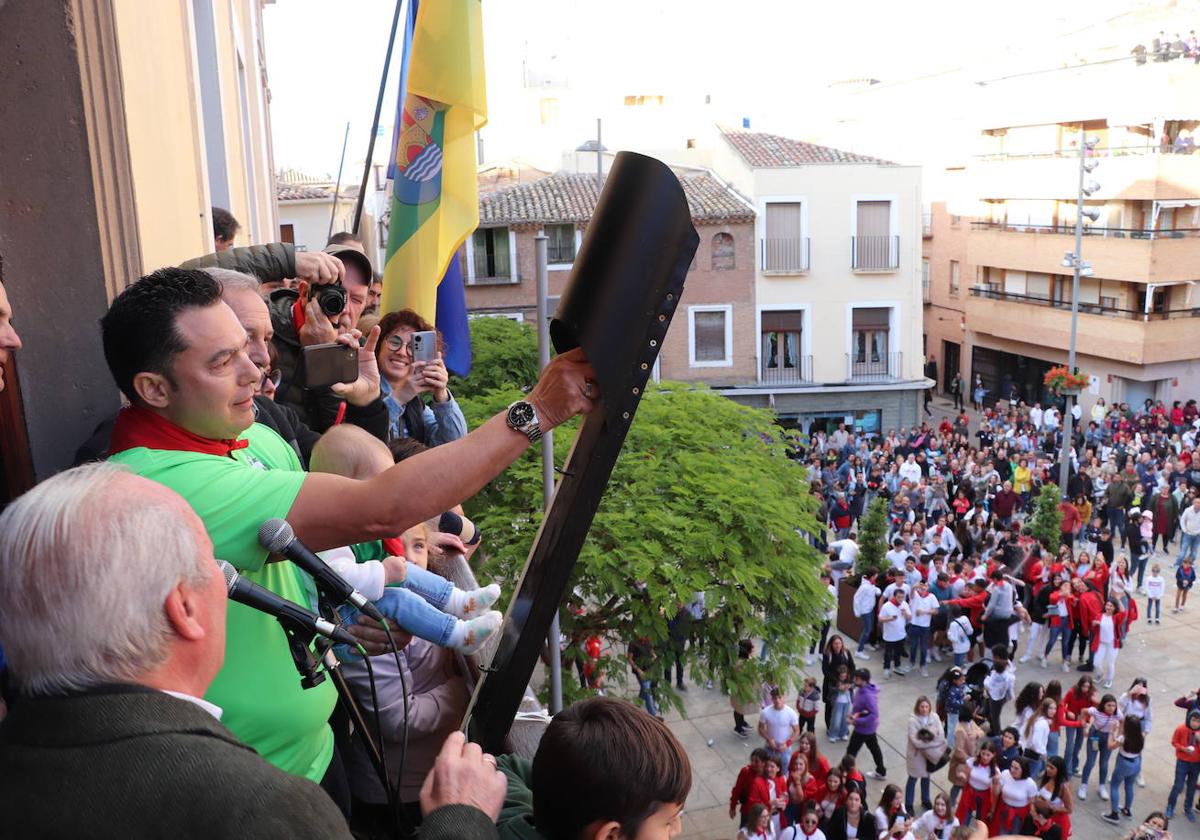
{"x":331,"y":298}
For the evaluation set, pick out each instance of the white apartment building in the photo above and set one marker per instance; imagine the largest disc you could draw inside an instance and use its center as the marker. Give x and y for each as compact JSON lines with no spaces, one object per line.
{"x":838,"y":320}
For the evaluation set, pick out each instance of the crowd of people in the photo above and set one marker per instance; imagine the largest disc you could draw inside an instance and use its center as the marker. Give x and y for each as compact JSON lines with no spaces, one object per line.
{"x":167,"y":710}
{"x":966,"y":586}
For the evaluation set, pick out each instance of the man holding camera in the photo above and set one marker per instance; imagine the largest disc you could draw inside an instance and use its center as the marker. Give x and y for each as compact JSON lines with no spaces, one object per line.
{"x":321,"y":310}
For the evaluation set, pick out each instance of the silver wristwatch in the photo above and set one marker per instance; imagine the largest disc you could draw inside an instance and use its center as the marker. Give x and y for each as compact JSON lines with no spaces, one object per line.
{"x":523,"y":418}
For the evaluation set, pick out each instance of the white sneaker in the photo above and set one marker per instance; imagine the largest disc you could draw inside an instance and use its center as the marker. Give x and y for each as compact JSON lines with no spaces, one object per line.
{"x":1042,"y":659}
{"x":887,"y":675}
{"x":1024,"y":659}
{"x":1141,"y":781}
{"x":933,"y":653}
{"x":1083,"y":793}
{"x":1067,"y":667}
{"x":860,"y":654}
{"x":1107,"y":685}
{"x":924,"y":671}
{"x":1103,"y":793}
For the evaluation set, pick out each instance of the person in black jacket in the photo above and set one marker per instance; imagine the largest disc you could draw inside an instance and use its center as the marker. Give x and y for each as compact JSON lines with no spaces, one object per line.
{"x":835,"y":655}
{"x":853,"y":812}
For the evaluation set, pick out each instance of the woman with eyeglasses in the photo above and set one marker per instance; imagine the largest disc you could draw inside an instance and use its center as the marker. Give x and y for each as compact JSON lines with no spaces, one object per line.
{"x":404,"y":384}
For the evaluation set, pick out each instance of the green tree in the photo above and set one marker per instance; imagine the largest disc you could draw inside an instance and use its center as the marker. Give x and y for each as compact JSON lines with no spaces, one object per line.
{"x":1046,"y":522}
{"x":872,"y":537}
{"x":704,"y":498}
{"x":504,"y":356}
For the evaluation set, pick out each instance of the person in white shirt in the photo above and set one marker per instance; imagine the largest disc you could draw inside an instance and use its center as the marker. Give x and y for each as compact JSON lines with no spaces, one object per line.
{"x":1035,"y":416}
{"x":1189,"y":530}
{"x":910,"y":470}
{"x":938,"y":823}
{"x":924,"y":607}
{"x":1016,"y":791}
{"x":865,"y":598}
{"x":898,"y":554}
{"x":847,"y":556}
{"x":894,"y":616}
{"x":998,"y":687}
{"x":1035,"y":735}
{"x":779,"y":726}
{"x":1155,"y":587}
{"x":958,"y":630}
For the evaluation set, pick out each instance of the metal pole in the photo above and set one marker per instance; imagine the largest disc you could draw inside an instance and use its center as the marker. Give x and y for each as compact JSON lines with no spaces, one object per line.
{"x":599,"y":160}
{"x":387,"y":63}
{"x":337,"y":187}
{"x":543,"y":316}
{"x":1064,"y":469}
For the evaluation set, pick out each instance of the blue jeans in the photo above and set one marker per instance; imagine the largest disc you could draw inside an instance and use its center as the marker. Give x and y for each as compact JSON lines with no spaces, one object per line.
{"x":1187,"y":773}
{"x":1125,"y":773}
{"x":414,"y":606}
{"x":1097,"y":745}
{"x":918,"y":638}
{"x":1153,"y":608}
{"x":1056,"y":633}
{"x":960,"y":659}
{"x":910,"y":788}
{"x":646,"y":693}
{"x":1071,"y":752}
{"x":1052,"y":744}
{"x":868,"y":627}
{"x":1188,"y":545}
{"x":838,"y":720}
{"x":1139,"y":565}
{"x":1116,"y":524}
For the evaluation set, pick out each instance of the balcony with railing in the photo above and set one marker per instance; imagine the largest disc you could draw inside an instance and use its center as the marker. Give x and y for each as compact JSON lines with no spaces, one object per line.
{"x":874,"y":367}
{"x":493,"y":269}
{"x":926,"y":296}
{"x":874,"y":253}
{"x":1131,"y":173}
{"x":1109,"y":332}
{"x":927,"y":225}
{"x":1138,"y":256}
{"x":784,"y":256}
{"x":798,"y":372}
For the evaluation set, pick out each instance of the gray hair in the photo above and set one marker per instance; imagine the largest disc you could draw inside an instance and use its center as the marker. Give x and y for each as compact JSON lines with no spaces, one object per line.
{"x":87,"y":559}
{"x":231,"y":280}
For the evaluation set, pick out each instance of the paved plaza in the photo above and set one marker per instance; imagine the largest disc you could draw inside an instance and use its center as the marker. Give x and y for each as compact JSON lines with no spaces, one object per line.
{"x":1168,"y":655}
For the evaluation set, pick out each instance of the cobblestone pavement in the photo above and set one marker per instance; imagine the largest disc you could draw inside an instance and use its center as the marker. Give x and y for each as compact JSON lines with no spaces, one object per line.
{"x":1167,"y":654}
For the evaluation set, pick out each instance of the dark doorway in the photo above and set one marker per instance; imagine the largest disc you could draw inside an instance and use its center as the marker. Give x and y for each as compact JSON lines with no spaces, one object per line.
{"x":1003,"y":372}
{"x":951,"y":361}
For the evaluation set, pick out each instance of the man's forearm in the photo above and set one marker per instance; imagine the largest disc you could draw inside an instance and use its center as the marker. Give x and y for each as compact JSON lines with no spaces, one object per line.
{"x":331,"y":512}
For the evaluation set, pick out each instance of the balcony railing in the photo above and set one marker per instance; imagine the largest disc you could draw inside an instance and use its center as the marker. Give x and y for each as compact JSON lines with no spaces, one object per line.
{"x":1112,"y":151}
{"x":798,"y":373}
{"x":500,"y":270}
{"x":784,"y":255}
{"x":874,"y":253}
{"x":1114,"y":233}
{"x":927,"y":225}
{"x":874,"y":367}
{"x":925,"y":295}
{"x":1085,"y":308}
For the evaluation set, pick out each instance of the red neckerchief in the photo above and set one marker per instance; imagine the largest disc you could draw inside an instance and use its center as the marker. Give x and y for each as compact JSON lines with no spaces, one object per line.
{"x":136,"y":426}
{"x":393,"y":546}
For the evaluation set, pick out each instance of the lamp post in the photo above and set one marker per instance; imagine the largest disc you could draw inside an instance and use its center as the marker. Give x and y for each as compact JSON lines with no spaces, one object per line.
{"x":1079,"y":268}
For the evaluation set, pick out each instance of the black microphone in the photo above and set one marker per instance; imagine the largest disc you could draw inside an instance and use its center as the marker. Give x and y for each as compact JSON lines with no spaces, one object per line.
{"x":276,"y":536}
{"x":264,"y":600}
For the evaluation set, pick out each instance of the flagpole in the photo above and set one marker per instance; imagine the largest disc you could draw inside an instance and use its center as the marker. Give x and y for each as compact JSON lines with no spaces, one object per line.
{"x":337,"y":187}
{"x":383,"y":77}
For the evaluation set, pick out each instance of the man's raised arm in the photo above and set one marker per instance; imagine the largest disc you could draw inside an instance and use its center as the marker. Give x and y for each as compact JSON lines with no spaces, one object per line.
{"x":332,"y":511}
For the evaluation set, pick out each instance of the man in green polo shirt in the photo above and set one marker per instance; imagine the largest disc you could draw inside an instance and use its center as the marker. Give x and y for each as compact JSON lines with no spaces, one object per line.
{"x":178,"y":353}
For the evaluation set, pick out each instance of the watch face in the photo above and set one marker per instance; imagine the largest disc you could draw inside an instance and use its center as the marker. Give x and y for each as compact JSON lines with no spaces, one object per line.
{"x":520,"y":414}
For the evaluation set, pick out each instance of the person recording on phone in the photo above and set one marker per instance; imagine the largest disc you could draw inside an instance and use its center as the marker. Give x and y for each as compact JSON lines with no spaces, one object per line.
{"x":313,"y":323}
{"x":410,"y":365}
{"x":108,"y":735}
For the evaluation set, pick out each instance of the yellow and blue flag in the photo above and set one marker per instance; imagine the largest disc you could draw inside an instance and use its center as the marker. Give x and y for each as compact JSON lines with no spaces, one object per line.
{"x":435,"y":201}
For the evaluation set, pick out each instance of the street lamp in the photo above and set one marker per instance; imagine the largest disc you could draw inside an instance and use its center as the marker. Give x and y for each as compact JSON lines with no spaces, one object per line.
{"x":1079,"y":268}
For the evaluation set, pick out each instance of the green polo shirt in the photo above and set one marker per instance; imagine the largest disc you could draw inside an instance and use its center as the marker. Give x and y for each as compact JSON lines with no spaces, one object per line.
{"x":258,"y":687}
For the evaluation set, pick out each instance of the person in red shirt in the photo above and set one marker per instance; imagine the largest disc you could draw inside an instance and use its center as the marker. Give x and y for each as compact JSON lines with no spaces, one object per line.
{"x":1090,"y":607}
{"x":1080,"y":696}
{"x":1186,"y":741}
{"x":770,"y":790}
{"x":740,"y":794}
{"x":1070,"y":521}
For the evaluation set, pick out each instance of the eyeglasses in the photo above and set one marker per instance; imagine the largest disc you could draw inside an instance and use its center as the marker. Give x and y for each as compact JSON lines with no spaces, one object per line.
{"x":395,"y":343}
{"x":274,"y":377}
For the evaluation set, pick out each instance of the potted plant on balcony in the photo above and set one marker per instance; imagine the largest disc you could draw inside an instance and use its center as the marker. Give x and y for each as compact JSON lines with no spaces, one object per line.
{"x":1062,"y":382}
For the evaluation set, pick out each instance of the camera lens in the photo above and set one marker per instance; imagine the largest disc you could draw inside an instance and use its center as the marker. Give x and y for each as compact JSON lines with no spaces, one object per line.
{"x":331,"y":299}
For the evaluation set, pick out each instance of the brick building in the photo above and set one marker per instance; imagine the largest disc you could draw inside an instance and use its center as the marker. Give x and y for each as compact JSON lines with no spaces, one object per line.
{"x":712,"y":338}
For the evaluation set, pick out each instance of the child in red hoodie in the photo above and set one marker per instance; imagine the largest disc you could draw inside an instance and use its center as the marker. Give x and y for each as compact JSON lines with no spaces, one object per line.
{"x":740,"y":794}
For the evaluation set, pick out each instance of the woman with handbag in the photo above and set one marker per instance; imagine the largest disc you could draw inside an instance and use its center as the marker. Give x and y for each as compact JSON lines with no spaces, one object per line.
{"x":925,"y":751}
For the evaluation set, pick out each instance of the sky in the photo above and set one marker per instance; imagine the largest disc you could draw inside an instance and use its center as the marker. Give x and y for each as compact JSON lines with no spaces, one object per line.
{"x":772,"y":61}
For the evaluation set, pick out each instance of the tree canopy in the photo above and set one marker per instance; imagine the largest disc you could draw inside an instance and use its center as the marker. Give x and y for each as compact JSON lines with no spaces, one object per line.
{"x":704,"y":498}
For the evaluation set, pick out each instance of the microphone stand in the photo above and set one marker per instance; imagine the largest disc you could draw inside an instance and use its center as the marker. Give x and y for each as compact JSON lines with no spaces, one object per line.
{"x":350,"y":706}
{"x":300,"y":640}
